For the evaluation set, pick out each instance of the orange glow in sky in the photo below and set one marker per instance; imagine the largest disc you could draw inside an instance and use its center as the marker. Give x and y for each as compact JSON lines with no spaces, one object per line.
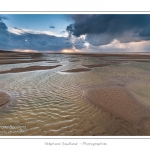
{"x":70,"y":51}
{"x":67,"y":51}
{"x":25,"y":50}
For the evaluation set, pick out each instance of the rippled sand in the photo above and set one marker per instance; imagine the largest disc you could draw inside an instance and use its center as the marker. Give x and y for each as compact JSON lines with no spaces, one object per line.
{"x":119,"y":101}
{"x":52,"y":102}
{"x":4,"y":98}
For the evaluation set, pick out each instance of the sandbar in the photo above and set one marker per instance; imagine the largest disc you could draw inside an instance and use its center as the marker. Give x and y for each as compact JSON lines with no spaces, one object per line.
{"x":78,"y":70}
{"x":74,"y":60}
{"x":19,"y":57}
{"x":118,"y":101}
{"x":96,"y":65}
{"x":30,"y":68}
{"x":4,"y":98}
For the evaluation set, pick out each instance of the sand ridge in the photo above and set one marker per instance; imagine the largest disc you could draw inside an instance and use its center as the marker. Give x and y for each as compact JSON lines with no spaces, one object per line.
{"x":129,"y":60}
{"x":96,"y":65}
{"x":15,"y":61}
{"x":118,"y":101}
{"x":87,"y":68}
{"x":78,"y":70}
{"x":76,"y":60}
{"x":30,"y":68}
{"x":4,"y":98}
{"x":19,"y":57}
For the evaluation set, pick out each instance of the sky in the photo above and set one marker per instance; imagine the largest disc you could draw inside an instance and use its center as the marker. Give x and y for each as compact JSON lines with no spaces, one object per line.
{"x":75,"y":32}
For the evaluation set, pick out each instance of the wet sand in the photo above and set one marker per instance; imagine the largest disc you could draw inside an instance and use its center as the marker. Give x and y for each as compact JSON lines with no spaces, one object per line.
{"x":130,"y":60}
{"x":52,"y":61}
{"x":77,"y":70}
{"x":52,"y":103}
{"x":118,"y":101}
{"x":96,"y":65}
{"x":4,"y":98}
{"x":8,"y":61}
{"x":19,"y":57}
{"x":105,"y":55}
{"x":31,"y":68}
{"x":74,"y":60}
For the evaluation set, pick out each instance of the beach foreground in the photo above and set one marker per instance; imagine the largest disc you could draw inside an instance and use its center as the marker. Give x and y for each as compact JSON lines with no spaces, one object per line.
{"x":117,"y":100}
{"x":74,"y":94}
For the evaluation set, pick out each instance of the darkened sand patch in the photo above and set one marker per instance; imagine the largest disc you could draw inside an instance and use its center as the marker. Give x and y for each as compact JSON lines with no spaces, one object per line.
{"x":96,"y":65}
{"x":52,"y":61}
{"x":115,"y":62}
{"x":19,"y":57}
{"x":78,"y":70}
{"x":74,"y":60}
{"x":11,"y":54}
{"x":130,"y":60}
{"x":108,"y":55}
{"x":118,"y":101}
{"x":10,"y":61}
{"x":4,"y":98}
{"x":31,"y":68}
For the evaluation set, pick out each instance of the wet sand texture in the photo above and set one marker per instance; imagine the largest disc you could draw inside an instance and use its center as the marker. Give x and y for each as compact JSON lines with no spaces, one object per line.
{"x":51,"y":104}
{"x":118,"y":101}
{"x":78,"y":70}
{"x":129,"y":60}
{"x":8,"y":61}
{"x":11,"y":54}
{"x":4,"y":98}
{"x":74,"y":60}
{"x":15,"y":58}
{"x":31,"y":68}
{"x":105,"y":55}
{"x":96,"y":65}
{"x":53,"y":61}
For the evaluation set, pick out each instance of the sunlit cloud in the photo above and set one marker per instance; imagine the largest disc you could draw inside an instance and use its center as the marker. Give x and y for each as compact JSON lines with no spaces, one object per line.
{"x":18,"y":31}
{"x":116,"y":46}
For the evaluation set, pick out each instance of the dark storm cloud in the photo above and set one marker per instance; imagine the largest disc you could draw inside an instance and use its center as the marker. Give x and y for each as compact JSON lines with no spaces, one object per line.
{"x":52,"y":27}
{"x":2,"y":17}
{"x":79,"y":43}
{"x":4,"y":34}
{"x":103,"y":29}
{"x":2,"y":24}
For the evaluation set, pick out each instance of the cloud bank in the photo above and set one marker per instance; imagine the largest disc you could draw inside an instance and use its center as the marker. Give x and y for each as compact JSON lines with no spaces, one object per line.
{"x":103,"y":29}
{"x":88,"y":33}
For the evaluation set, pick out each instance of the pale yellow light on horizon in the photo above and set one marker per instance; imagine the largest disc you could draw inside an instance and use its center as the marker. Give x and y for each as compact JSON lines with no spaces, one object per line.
{"x":70,"y":51}
{"x":25,"y":50}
